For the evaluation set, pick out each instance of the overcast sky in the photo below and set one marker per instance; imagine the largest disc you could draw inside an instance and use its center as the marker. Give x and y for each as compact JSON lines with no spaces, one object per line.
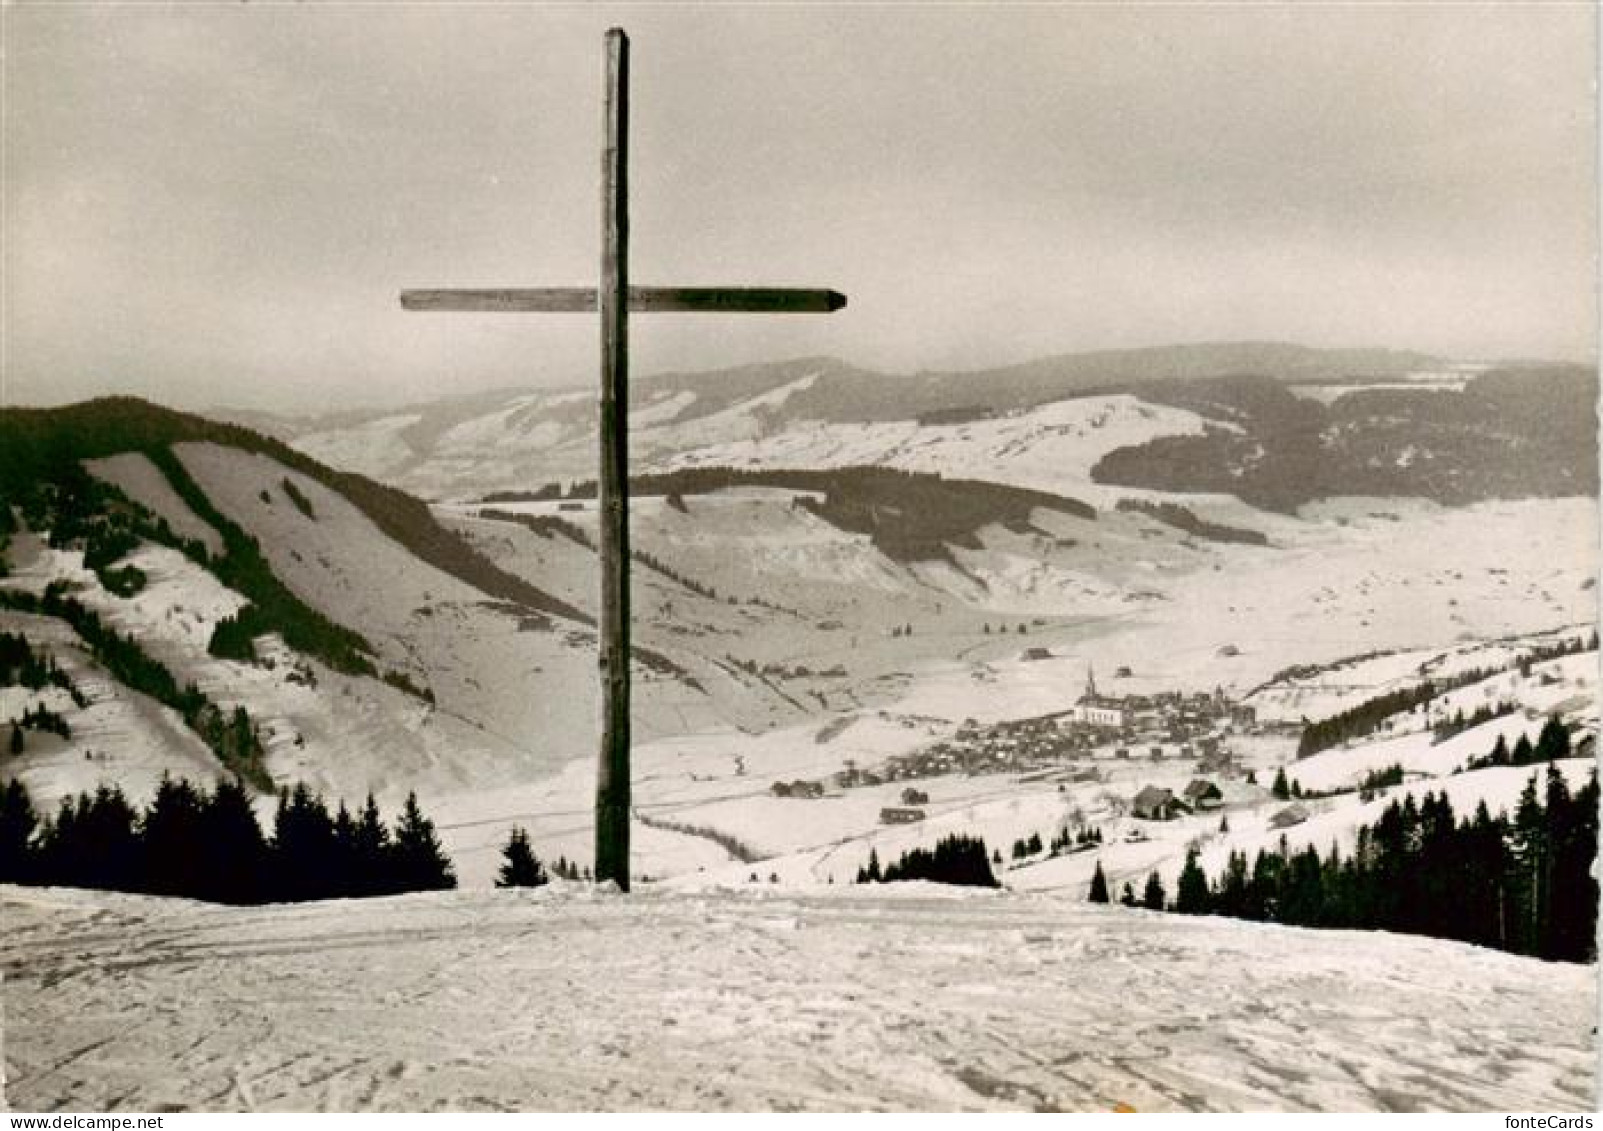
{"x":217,"y":205}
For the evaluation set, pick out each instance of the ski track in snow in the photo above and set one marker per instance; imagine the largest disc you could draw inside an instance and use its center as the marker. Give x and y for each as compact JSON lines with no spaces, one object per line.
{"x":908,"y":998}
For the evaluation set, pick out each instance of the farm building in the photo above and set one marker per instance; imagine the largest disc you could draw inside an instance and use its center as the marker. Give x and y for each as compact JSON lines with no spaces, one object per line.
{"x":1156,"y":804}
{"x":1203,"y":794}
{"x":900,"y":815}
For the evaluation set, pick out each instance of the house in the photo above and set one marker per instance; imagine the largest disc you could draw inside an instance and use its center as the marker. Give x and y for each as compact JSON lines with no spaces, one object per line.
{"x":900,"y":815}
{"x":1156,"y":804}
{"x":1293,"y":814}
{"x":1203,"y":794}
{"x":911,"y":796}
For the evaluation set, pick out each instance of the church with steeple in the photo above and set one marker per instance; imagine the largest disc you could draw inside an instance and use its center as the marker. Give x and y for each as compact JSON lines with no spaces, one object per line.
{"x":1098,"y":710}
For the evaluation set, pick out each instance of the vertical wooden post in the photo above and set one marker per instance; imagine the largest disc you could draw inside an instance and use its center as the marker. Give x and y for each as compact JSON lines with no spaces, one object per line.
{"x":612,"y":780}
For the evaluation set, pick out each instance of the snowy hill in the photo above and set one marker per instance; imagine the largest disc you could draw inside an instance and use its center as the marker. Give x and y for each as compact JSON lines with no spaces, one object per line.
{"x":905,"y":1000}
{"x":1277,"y":425}
{"x":912,"y":999}
{"x":388,"y":655}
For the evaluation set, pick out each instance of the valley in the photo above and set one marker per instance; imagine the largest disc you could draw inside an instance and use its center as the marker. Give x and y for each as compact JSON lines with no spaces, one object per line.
{"x":855,"y":635}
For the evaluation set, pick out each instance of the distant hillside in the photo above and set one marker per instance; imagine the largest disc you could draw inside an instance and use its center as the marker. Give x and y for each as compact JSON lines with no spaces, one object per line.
{"x":908,"y":516}
{"x":1515,"y":433}
{"x":45,"y":444}
{"x":841,"y":396}
{"x":220,"y":604}
{"x":1350,"y":416}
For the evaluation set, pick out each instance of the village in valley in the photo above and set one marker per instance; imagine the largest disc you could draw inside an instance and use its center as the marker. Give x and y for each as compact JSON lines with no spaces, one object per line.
{"x":1096,"y":740}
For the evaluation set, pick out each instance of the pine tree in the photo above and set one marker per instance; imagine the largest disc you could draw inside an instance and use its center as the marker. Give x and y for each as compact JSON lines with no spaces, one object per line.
{"x":522,"y":869}
{"x":1191,"y":892}
{"x":170,"y":837}
{"x":1231,"y":898}
{"x":17,"y":744}
{"x":1281,"y":789}
{"x":94,"y":842}
{"x":1486,"y":865}
{"x":1575,"y":890}
{"x":872,"y":874}
{"x":1152,"y":897}
{"x":18,"y":823}
{"x":1553,"y":743}
{"x":235,"y":865}
{"x":344,"y":880}
{"x":1099,"y":886}
{"x":303,"y":846}
{"x":372,"y":862}
{"x":1531,"y":871}
{"x":420,"y":862}
{"x":1127,"y":896}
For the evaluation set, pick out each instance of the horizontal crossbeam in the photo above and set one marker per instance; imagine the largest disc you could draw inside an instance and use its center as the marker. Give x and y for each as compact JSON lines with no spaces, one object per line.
{"x":659,"y":300}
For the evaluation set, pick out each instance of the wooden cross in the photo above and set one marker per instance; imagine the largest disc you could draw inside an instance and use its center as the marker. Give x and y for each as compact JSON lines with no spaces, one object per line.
{"x":614,"y":299}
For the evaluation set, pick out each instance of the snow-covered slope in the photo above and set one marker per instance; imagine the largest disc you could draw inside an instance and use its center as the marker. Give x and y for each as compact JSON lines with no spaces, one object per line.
{"x":905,"y":999}
{"x":119,"y":735}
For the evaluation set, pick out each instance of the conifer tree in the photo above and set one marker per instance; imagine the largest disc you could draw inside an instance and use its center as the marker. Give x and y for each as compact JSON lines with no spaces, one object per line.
{"x":420,"y":862}
{"x":1099,"y":886}
{"x":170,"y":838}
{"x":1553,"y":743}
{"x":521,"y":868}
{"x":1152,"y":897}
{"x":1530,"y":850}
{"x":94,"y":842}
{"x":1231,"y":896}
{"x":1191,"y":891}
{"x":1575,"y":888}
{"x":234,"y":867}
{"x":303,"y":846}
{"x":344,"y":878}
{"x":17,"y":744}
{"x":372,"y":853}
{"x":1127,"y":896}
{"x":1281,"y":789}
{"x":18,"y":823}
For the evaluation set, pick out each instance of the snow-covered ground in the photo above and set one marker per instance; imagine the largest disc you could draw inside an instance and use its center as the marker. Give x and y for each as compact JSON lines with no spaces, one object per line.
{"x":907,"y":997}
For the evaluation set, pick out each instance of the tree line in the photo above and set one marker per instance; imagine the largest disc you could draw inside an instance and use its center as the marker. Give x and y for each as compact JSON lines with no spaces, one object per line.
{"x":207,"y":844}
{"x":231,"y":736}
{"x":1367,"y":717}
{"x":956,"y":859}
{"x":1521,"y":884}
{"x":1552,"y":745}
{"x":22,"y":665}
